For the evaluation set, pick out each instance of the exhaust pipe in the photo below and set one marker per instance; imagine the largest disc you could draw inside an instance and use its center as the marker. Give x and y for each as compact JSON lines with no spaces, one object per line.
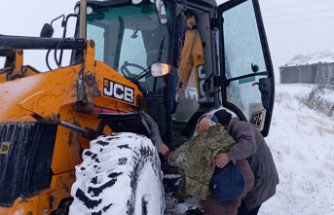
{"x":83,"y":19}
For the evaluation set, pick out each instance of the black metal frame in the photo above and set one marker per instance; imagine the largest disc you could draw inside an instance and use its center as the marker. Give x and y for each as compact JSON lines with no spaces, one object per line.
{"x":124,"y":122}
{"x":19,"y":42}
{"x":267,"y":57}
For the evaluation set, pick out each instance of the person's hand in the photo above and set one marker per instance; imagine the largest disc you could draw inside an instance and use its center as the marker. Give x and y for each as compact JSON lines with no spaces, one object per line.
{"x":163,"y":149}
{"x":221,"y":160}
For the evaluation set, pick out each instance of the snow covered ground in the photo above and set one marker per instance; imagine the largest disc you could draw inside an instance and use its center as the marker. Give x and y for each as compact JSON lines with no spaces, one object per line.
{"x":302,"y":143}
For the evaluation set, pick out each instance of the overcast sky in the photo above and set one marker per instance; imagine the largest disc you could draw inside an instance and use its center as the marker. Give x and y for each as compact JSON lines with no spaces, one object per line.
{"x":292,"y":26}
{"x":297,"y":27}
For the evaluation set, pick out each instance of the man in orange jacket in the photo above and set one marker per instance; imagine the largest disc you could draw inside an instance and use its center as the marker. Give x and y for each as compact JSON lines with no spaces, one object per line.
{"x":192,"y":52}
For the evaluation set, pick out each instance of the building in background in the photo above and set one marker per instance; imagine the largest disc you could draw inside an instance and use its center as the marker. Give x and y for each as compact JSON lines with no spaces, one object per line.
{"x":316,"y":68}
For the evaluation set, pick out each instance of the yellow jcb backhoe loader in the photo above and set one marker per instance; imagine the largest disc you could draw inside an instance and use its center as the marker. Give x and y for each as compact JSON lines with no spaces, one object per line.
{"x":94,"y":111}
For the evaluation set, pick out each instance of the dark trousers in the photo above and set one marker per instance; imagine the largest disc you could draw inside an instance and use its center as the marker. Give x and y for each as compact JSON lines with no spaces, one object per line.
{"x":212,"y":206}
{"x":170,"y":104}
{"x":244,"y":211}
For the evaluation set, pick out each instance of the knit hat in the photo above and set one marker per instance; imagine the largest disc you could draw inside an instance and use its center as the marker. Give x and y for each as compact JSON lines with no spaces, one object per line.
{"x":205,"y":122}
{"x":223,"y":116}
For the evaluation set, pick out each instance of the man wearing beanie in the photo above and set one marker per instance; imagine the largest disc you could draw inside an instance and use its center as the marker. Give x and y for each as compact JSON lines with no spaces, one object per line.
{"x":250,"y":145}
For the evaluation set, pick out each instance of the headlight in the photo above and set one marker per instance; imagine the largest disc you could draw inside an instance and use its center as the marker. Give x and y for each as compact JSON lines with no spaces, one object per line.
{"x":160,"y":69}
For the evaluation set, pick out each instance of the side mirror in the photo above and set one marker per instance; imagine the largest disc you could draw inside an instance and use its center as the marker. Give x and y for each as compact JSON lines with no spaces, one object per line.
{"x":160,"y":69}
{"x":47,"y":31}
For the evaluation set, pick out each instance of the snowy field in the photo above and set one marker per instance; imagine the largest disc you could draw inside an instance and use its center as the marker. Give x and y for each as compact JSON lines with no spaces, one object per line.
{"x":302,"y":143}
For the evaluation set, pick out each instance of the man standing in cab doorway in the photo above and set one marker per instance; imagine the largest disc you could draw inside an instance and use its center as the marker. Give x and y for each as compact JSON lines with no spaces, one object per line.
{"x":192,"y":55}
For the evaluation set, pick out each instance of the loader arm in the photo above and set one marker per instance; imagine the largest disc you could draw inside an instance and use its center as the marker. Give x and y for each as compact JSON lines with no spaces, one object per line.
{"x":86,"y":85}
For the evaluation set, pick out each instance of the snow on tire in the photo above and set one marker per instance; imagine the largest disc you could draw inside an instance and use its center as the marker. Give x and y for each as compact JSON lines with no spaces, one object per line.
{"x":120,"y":174}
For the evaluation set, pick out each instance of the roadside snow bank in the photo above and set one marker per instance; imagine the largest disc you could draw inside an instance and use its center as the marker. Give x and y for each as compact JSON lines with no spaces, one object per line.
{"x":302,"y":143}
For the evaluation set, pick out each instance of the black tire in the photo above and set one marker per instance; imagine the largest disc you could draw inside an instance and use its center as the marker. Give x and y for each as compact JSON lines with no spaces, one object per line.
{"x":120,"y":174}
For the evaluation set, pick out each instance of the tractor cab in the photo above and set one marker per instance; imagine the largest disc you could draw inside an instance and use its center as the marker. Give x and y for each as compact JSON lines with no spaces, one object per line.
{"x":132,"y":35}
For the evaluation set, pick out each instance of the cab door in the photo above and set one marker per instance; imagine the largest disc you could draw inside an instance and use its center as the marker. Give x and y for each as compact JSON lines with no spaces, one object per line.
{"x":246,"y":68}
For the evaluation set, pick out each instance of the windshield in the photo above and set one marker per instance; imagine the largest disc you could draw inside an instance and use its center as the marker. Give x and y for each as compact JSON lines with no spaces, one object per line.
{"x":128,"y":38}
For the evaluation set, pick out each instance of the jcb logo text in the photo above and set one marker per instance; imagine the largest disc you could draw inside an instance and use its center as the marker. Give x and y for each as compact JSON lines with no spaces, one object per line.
{"x":118,"y":91}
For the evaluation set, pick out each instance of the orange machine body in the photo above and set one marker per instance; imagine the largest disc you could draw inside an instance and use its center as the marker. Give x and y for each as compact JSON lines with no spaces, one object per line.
{"x":44,"y":97}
